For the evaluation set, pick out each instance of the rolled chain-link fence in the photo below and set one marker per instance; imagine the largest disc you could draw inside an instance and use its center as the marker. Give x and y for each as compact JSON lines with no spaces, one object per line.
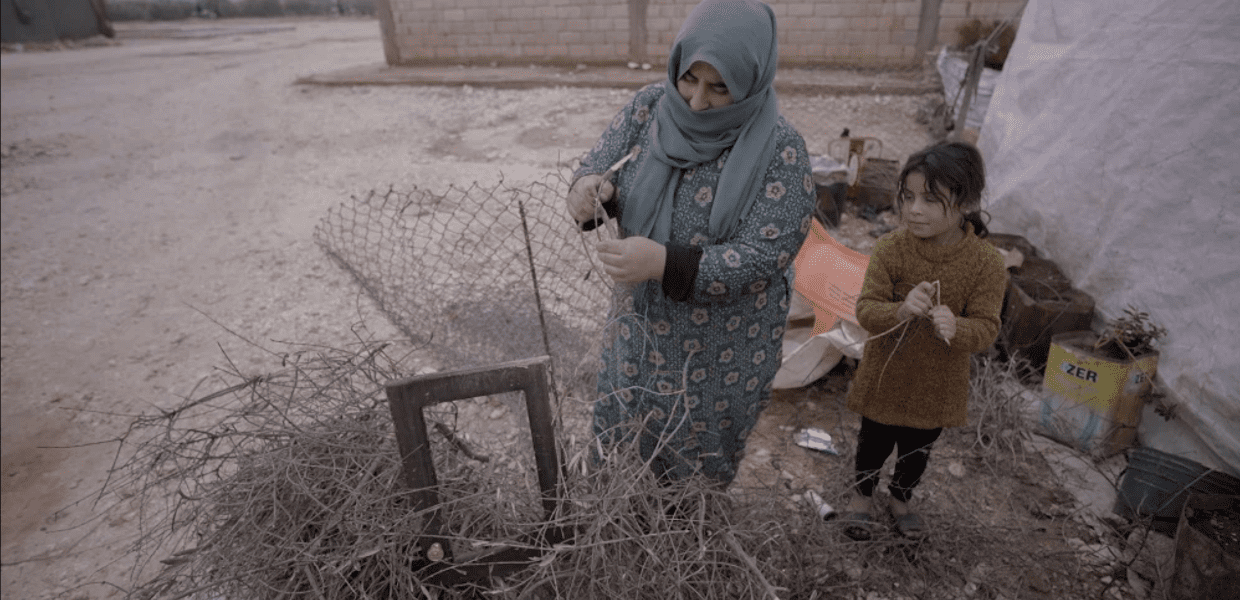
{"x":479,"y":275}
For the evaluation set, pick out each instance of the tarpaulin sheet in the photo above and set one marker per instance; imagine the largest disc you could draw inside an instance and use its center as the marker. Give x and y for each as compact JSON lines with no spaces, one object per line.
{"x":1112,"y":142}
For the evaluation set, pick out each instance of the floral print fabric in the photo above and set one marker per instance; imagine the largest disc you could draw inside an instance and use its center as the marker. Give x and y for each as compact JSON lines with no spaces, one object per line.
{"x":698,"y":373}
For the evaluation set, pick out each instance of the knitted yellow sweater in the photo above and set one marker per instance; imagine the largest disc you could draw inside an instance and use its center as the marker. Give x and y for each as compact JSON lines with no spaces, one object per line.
{"x":920,"y":381}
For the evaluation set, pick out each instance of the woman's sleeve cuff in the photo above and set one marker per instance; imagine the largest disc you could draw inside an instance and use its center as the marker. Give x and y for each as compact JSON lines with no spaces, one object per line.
{"x":680,"y":271}
{"x":612,"y":210}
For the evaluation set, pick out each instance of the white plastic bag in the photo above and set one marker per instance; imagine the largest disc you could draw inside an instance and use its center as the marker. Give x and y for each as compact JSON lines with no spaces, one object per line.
{"x":807,"y":358}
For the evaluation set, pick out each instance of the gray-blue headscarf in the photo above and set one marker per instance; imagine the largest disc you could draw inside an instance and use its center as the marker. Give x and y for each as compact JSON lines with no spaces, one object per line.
{"x":737,"y":37}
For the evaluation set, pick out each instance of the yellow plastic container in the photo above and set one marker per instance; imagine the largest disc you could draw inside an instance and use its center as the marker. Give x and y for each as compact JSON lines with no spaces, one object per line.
{"x":1093,"y":402}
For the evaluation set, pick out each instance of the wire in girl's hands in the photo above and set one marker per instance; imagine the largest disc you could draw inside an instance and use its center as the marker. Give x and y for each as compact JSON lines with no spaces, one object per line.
{"x":918,"y":302}
{"x":944,"y":322}
{"x":926,"y":300}
{"x":943,"y":318}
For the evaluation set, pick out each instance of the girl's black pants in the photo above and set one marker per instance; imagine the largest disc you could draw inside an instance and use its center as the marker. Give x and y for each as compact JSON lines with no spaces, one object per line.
{"x":874,"y":445}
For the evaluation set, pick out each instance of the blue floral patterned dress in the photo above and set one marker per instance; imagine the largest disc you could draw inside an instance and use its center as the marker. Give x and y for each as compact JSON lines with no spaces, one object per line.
{"x":699,"y":372}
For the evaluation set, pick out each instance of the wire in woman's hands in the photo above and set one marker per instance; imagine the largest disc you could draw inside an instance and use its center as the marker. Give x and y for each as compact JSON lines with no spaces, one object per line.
{"x":604,"y":194}
{"x":585,"y":202}
{"x":606,"y":190}
{"x":632,"y":259}
{"x":586,"y":197}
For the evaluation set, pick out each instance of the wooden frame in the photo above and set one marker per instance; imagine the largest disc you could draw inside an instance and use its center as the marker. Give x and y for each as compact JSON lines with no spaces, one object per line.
{"x":408,"y":397}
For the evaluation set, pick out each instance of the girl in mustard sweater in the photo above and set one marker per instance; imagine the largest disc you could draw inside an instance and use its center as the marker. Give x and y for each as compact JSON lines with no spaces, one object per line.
{"x":937,"y":287}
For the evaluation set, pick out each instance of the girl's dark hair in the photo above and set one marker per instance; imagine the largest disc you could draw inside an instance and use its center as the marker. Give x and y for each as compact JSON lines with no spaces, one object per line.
{"x":958,"y":168}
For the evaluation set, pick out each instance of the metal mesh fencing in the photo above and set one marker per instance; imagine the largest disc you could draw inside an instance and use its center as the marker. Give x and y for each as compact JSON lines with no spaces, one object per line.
{"x":479,"y":275}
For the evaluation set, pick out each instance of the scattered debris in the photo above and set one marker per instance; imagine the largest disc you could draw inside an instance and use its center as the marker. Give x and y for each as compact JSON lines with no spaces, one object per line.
{"x":1148,"y":560}
{"x":816,"y":439}
{"x":824,"y":510}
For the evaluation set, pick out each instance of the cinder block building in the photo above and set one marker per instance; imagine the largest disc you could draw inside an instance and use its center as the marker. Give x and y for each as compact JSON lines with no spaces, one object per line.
{"x":860,"y":33}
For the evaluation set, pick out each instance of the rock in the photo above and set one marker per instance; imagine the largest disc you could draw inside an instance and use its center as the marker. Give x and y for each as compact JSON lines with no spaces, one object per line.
{"x":974,"y":580}
{"x":1038,"y":582}
{"x":956,"y":469}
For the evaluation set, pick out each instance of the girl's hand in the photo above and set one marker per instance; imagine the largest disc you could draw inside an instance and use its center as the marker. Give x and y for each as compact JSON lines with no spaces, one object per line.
{"x":944,"y":322}
{"x":633,"y":259}
{"x":917,"y":302}
{"x":581,"y":197}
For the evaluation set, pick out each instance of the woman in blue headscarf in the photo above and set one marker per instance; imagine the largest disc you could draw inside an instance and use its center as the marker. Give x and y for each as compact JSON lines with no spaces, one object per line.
{"x":711,"y":210}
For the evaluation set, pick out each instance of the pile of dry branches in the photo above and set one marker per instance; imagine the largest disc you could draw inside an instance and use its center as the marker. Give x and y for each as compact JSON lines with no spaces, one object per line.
{"x":280,"y":484}
{"x":289,"y":485}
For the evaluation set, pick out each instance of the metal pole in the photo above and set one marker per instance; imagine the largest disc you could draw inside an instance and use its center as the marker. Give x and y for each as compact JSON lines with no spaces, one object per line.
{"x":927,"y":29}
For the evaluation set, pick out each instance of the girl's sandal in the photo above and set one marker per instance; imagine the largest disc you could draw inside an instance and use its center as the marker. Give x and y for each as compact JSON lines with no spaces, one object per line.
{"x":911,"y":526}
{"x":858,"y":525}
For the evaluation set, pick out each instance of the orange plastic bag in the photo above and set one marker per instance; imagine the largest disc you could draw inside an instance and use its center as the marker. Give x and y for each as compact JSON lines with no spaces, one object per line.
{"x":830,"y":276}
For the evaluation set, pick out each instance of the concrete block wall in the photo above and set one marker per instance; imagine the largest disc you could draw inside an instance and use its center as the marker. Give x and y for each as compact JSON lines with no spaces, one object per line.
{"x":811,"y":32}
{"x":171,"y":10}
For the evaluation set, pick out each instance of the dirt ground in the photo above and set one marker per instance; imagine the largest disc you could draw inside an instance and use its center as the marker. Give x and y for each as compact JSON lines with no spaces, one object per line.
{"x":159,"y":195}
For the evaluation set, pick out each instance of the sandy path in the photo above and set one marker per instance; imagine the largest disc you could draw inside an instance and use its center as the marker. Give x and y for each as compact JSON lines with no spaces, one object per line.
{"x":155,"y":185}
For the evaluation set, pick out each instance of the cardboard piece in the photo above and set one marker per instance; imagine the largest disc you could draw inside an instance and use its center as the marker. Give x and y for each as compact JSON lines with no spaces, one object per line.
{"x":829,"y":275}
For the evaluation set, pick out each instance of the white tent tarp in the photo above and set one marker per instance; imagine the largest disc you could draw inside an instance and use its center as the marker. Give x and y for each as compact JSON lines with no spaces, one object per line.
{"x":1112,"y":143}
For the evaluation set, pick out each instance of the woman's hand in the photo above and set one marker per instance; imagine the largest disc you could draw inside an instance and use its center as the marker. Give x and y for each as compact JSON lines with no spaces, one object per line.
{"x":917,"y":302}
{"x":633,"y":259}
{"x":581,"y":197}
{"x":944,"y":322}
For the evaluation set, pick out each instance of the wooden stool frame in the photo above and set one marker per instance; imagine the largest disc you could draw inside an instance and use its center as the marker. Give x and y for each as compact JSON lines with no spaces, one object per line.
{"x":408,"y":397}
